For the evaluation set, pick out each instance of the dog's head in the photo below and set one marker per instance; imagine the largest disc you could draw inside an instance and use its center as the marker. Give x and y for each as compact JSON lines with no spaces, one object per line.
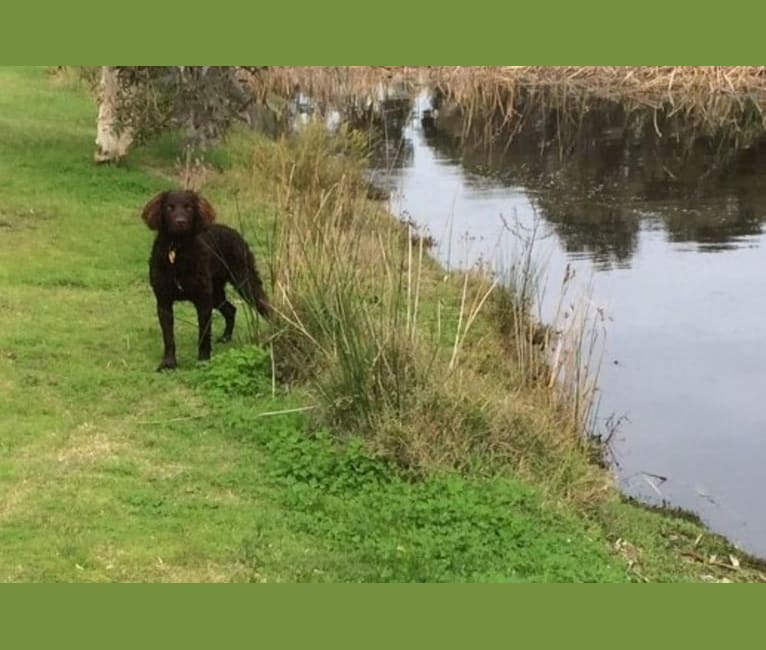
{"x":179,"y":212}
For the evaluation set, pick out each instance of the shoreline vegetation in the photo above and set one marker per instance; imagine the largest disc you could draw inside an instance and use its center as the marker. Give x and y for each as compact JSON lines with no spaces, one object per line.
{"x":397,"y":423}
{"x":708,"y":98}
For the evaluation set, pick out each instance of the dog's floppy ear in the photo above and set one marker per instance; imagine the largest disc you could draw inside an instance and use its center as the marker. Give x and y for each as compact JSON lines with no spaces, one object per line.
{"x":205,"y":210}
{"x":152,"y":214}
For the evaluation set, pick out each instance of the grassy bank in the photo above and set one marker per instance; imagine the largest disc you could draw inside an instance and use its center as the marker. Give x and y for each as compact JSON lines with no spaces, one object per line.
{"x":111,"y":471}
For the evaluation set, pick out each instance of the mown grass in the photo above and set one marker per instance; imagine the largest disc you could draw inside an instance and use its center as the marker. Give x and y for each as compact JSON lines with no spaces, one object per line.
{"x":110,"y":471}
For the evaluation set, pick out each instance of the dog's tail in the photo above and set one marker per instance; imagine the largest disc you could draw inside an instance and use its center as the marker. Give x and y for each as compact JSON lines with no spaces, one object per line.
{"x":251,"y":288}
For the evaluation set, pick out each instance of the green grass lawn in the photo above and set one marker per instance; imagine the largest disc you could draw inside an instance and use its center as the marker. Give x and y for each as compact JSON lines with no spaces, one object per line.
{"x":110,"y":471}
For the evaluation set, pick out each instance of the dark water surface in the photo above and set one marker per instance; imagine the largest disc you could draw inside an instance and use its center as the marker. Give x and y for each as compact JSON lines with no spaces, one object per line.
{"x":670,"y":235}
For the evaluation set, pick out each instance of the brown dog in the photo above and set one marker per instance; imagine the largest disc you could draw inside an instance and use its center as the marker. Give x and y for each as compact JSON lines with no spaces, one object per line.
{"x":193,"y":259}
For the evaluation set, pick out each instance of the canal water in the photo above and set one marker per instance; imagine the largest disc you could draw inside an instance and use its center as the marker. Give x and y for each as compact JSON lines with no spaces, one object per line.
{"x":668,"y":234}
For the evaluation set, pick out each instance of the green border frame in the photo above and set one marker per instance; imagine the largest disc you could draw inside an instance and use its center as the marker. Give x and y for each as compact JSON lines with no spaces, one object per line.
{"x":387,"y":616}
{"x":394,"y":33}
{"x":595,"y":32}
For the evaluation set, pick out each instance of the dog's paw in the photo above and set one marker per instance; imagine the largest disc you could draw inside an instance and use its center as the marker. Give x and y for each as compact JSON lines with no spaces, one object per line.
{"x":224,"y":338}
{"x":167,"y":364}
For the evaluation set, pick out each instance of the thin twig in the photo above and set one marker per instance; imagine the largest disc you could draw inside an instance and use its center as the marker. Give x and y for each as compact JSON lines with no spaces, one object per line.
{"x":287,"y":411}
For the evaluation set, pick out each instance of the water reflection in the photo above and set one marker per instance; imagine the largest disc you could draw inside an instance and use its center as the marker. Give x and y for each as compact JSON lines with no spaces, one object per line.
{"x":600,"y":181}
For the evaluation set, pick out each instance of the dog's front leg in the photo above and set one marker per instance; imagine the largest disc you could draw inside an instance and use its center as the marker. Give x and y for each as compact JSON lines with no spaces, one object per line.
{"x":165,"y":315}
{"x":204,"y":318}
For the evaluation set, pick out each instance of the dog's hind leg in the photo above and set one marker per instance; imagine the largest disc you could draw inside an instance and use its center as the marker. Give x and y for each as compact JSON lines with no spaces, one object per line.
{"x":228,"y":311}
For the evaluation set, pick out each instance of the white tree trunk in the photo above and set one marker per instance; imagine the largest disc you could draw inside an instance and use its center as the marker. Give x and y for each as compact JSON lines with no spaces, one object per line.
{"x":110,"y":145}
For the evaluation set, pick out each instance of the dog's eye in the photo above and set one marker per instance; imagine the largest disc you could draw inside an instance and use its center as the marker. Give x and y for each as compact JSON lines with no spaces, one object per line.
{"x":187,"y":207}
{"x":169,"y":206}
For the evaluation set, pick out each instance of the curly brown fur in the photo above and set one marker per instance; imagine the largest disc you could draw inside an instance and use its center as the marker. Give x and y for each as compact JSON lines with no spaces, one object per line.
{"x":193,"y":259}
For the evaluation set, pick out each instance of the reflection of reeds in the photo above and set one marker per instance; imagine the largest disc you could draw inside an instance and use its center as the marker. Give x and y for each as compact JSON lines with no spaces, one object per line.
{"x":708,"y":97}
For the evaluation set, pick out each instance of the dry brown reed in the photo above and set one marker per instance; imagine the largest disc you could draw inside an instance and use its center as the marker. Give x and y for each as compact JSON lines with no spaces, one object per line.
{"x":710,"y":96}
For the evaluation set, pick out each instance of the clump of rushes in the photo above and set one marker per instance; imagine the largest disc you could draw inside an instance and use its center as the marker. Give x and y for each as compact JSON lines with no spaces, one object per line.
{"x":394,"y":349}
